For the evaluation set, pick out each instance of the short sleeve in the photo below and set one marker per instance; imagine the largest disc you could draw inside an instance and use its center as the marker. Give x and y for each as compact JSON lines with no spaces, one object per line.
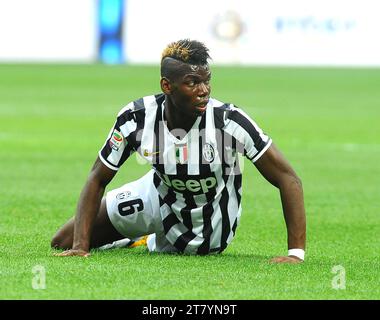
{"x":248,"y":134}
{"x":118,"y":147}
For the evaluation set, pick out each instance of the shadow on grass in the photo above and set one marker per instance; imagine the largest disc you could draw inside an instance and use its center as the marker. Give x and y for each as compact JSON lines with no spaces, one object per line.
{"x":143,"y":252}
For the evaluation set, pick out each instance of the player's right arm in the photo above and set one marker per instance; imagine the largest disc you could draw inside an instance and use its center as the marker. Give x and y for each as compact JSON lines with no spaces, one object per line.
{"x":112,"y":155}
{"x":88,"y":207}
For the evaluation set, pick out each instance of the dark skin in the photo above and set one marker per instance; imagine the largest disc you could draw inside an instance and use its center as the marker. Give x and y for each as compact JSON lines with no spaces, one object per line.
{"x":91,"y":226}
{"x":277,"y":170}
{"x":187,"y":90}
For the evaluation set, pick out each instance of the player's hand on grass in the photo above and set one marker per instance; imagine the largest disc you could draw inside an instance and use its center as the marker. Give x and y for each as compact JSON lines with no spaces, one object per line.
{"x":287,"y":259}
{"x":72,"y":253}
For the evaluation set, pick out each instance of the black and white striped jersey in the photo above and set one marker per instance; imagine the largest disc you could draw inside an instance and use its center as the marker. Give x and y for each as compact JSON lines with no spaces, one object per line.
{"x":198,"y":178}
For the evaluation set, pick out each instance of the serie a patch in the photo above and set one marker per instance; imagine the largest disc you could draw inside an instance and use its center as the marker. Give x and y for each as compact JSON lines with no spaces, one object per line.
{"x":116,"y":140}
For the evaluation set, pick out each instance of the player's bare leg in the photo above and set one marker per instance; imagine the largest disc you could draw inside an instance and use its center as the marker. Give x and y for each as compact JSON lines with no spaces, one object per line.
{"x":103,"y":232}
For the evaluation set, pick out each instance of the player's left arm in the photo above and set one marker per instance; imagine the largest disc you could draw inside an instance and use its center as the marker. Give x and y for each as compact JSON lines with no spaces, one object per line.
{"x":278,"y":171}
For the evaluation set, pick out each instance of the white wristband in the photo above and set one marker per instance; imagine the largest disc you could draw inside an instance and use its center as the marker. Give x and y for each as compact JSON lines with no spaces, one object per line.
{"x":299,"y":253}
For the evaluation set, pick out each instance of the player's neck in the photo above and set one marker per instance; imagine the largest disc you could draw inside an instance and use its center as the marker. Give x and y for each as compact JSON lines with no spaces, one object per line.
{"x":176,"y":120}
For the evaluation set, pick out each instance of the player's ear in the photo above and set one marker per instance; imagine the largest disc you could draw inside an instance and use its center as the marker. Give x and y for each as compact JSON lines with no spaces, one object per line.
{"x":165,"y":85}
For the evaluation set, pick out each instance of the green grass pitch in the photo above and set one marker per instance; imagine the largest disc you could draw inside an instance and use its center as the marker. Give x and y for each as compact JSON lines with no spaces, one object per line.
{"x":54,"y":119}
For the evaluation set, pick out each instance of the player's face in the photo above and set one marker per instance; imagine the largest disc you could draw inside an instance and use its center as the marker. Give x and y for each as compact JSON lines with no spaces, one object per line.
{"x":191,"y":90}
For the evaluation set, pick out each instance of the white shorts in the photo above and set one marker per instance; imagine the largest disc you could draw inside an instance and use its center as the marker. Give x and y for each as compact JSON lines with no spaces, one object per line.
{"x":134,"y":211}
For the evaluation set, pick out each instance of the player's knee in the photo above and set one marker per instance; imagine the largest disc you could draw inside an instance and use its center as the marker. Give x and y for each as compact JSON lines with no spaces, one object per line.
{"x":55,"y":242}
{"x":59,"y":242}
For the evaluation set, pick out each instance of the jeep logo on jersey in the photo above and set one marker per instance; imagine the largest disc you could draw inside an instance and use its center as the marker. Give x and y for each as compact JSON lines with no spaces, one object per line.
{"x":208,"y":152}
{"x":192,"y":185}
{"x":116,"y":140}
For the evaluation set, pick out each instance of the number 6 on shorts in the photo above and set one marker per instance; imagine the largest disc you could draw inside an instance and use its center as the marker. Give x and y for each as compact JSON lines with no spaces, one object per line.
{"x":130,"y":207}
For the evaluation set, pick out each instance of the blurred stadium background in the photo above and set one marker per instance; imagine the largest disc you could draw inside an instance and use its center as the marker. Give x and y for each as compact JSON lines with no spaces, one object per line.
{"x":272,"y":32}
{"x":306,"y":70}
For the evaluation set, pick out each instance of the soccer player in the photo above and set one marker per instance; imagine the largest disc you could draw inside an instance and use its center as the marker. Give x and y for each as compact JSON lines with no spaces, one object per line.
{"x":190,"y":201}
